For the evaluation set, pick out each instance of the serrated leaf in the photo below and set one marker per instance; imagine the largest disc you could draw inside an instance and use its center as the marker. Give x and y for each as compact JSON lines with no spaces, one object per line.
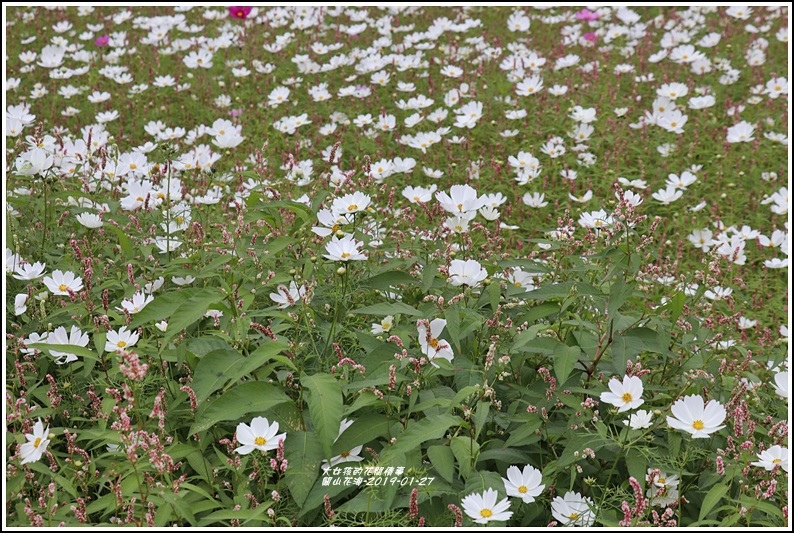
{"x":325,"y":408}
{"x":251,"y":397}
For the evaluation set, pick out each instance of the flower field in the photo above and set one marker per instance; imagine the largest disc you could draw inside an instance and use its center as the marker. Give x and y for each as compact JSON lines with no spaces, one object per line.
{"x":397,"y":266}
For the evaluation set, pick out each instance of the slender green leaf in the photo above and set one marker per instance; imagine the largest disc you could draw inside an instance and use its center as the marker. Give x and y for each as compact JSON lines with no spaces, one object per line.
{"x":267,"y":351}
{"x":191,"y":310}
{"x":443,"y":460}
{"x":388,"y":308}
{"x":465,"y":450}
{"x":255,"y":397}
{"x":480,"y":417}
{"x":214,"y":371}
{"x":325,"y":408}
{"x":432,"y":427}
{"x":565,"y":357}
{"x":713,"y":497}
{"x":452,"y":315}
{"x":362,"y":431}
{"x":304,"y":453}
{"x":79,"y":351}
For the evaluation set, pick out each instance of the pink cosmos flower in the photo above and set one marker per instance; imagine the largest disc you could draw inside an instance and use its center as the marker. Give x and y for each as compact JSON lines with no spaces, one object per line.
{"x":102,"y":40}
{"x":590,"y":36}
{"x":239,"y":12}
{"x":587,"y":15}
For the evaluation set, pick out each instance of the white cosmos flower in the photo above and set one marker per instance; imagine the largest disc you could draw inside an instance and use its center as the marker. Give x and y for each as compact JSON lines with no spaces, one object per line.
{"x":484,"y":508}
{"x":120,"y":340}
{"x":260,"y":435}
{"x":431,"y":345}
{"x":626,"y":395}
{"x":60,"y":283}
{"x":20,"y":304}
{"x":350,"y":203}
{"x":90,"y":220}
{"x":573,"y":509}
{"x":384,"y":326}
{"x":781,"y":384}
{"x":27,"y":272}
{"x":135,"y":304}
{"x":350,"y":456}
{"x":75,"y":337}
{"x":288,"y":296}
{"x":344,"y":249}
{"x":468,"y":272}
{"x":524,"y":484}
{"x":693,"y":415}
{"x":741,"y":132}
{"x":36,"y":443}
{"x":642,"y":419}
{"x":772,"y":457}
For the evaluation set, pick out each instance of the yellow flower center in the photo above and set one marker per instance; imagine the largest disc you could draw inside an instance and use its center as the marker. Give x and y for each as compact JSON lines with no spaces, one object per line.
{"x":698,"y":424}
{"x":573,"y":516}
{"x":433,"y":343}
{"x":133,"y":166}
{"x":260,"y":441}
{"x":344,"y":454}
{"x":662,"y":480}
{"x":776,"y":461}
{"x":352,"y":207}
{"x":486,"y":513}
{"x":345,"y":255}
{"x":62,"y":287}
{"x":121,"y":344}
{"x":37,"y":442}
{"x":522,"y":489}
{"x":627,"y":397}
